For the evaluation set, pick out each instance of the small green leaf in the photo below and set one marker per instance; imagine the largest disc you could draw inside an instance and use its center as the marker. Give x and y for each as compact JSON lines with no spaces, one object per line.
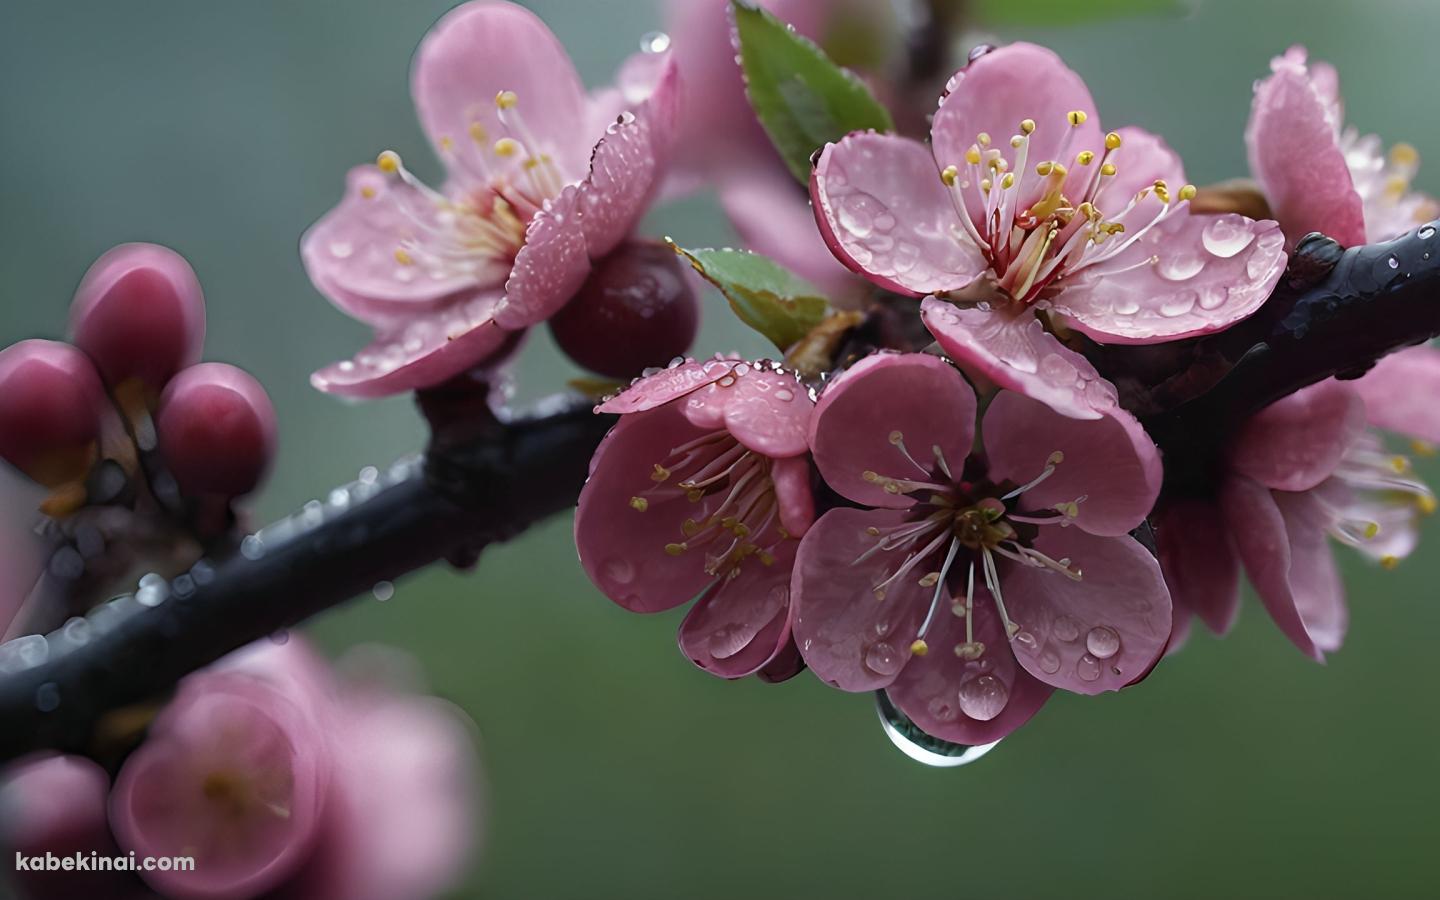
{"x":803,"y":99}
{"x":765,"y":295}
{"x":993,"y":13}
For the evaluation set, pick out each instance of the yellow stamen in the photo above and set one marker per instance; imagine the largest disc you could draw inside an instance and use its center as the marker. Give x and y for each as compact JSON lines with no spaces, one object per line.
{"x":507,"y":147}
{"x":639,"y":504}
{"x":403,"y":257}
{"x":1076,"y":117}
{"x":1085,"y":157}
{"x":1027,"y":126}
{"x":1112,"y":141}
{"x":919,"y":647}
{"x":949,"y":176}
{"x":388,"y":161}
{"x":1389,"y":562}
{"x":506,"y":100}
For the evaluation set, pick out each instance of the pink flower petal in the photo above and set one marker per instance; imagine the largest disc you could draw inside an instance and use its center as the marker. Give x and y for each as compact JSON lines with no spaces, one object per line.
{"x":772,"y":215}
{"x":472,"y":54}
{"x":1281,"y":539}
{"x":885,"y":213}
{"x":791,"y":476}
{"x":56,"y":804}
{"x":1110,"y":462}
{"x":1188,"y":275}
{"x":1400,"y":393}
{"x":740,"y":624}
{"x":623,"y":549}
{"x":968,"y":701}
{"x":669,"y":384}
{"x":1198,"y":558}
{"x":995,"y":92}
{"x":423,"y":351}
{"x":1012,"y":349}
{"x":626,"y":166}
{"x":1097,"y":634}
{"x":921,"y":397}
{"x":350,"y":253}
{"x":550,"y":267}
{"x":1293,"y":139}
{"x":1142,"y":159}
{"x":767,"y":411}
{"x":1296,"y":442}
{"x":851,"y":639}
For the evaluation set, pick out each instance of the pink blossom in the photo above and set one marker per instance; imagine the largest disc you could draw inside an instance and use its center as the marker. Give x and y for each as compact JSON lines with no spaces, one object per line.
{"x":1305,"y":468}
{"x":970,"y":585}
{"x":722,"y":142}
{"x":1319,"y":175}
{"x":275,"y":777}
{"x":541,"y":179}
{"x":1023,"y":199}
{"x":703,"y":488}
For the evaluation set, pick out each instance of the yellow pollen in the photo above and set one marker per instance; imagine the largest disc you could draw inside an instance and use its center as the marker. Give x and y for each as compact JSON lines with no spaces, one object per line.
{"x":949,"y":176}
{"x":1044,"y":168}
{"x":767,"y":558}
{"x":660,"y":473}
{"x":919,"y":647}
{"x":1400,"y":464}
{"x":478,"y":134}
{"x":1389,"y":562}
{"x":1162,"y":190}
{"x":971,"y":650}
{"x":507,"y":147}
{"x":1426,"y":502}
{"x":695,"y":495}
{"x":984,"y":139}
{"x":388,"y":161}
{"x":1188,"y":192}
{"x":675,"y":549}
{"x":1108,"y":169}
{"x":1404,"y":155}
{"x":972,"y":156}
{"x":639,"y":504}
{"x":506,"y":100}
{"x":985,"y":185}
{"x":1112,"y":141}
{"x":1008,"y":181}
{"x":1027,"y":126}
{"x":403,"y":257}
{"x":1016,"y":141}
{"x":1076,"y":117}
{"x":1085,"y":157}
{"x":930,"y":580}
{"x":447,"y":143}
{"x":1371,"y":529}
{"x":367,"y":192}
{"x":1422,"y":448}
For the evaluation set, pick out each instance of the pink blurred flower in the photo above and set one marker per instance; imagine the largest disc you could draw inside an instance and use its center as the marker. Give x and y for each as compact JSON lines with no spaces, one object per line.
{"x":276,"y":778}
{"x":541,"y":179}
{"x":1319,"y":175}
{"x":969,"y":585}
{"x":703,"y":486}
{"x":1021,"y":196}
{"x":721,"y":141}
{"x":1305,"y":467}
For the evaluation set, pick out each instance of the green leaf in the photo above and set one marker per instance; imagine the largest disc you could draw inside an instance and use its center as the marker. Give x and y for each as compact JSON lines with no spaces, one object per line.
{"x":803,"y":99}
{"x":764,"y":294}
{"x":1000,"y":13}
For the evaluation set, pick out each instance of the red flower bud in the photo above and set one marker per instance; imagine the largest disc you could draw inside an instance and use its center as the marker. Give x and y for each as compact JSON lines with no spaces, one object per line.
{"x":52,"y":405}
{"x":216,"y":430}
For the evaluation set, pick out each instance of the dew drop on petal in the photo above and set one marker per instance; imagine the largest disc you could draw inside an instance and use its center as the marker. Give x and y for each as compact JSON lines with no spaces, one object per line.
{"x":1227,"y":235}
{"x":1049,"y":661}
{"x":383,"y":591}
{"x":1066,"y":628}
{"x":882,"y":659}
{"x":1178,"y":304}
{"x":1180,"y":266}
{"x":655,"y":42}
{"x":1087,"y":668}
{"x":983,"y":697}
{"x":619,"y":571}
{"x":1102,"y":642}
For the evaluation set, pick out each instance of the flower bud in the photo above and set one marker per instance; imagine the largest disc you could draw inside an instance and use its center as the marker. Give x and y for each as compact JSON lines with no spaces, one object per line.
{"x":56,"y":805}
{"x":52,"y":405}
{"x":216,"y":430}
{"x":140,"y":314}
{"x":637,"y":309}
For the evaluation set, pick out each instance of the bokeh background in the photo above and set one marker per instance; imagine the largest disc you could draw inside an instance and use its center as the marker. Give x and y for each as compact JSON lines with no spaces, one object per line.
{"x":615,"y":768}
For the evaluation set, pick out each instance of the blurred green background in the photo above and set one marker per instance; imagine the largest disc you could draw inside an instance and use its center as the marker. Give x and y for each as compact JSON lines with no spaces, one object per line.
{"x":615,"y":768}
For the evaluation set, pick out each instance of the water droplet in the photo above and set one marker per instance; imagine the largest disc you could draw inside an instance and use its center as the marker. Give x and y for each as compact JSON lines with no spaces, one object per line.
{"x":1178,"y":304}
{"x":24,"y":652}
{"x":1087,"y":668}
{"x":855,"y":216}
{"x":76,"y":631}
{"x":911,"y":740}
{"x":312,"y":514}
{"x":252,"y":547}
{"x":152,"y":592}
{"x":1227,"y":235}
{"x":47,"y":697}
{"x":727,"y":641}
{"x":1180,"y":266}
{"x":619,"y":571}
{"x":1026,"y":641}
{"x":1066,"y":628}
{"x":1393,"y":263}
{"x":341,"y":249}
{"x":984,"y":697}
{"x":1426,"y":233}
{"x":1126,"y":306}
{"x":383,"y":590}
{"x":369,"y":475}
{"x":183,"y":587}
{"x":280,"y":637}
{"x":655,"y":42}
{"x":203,"y":572}
{"x":1049,"y":661}
{"x":1212,"y":296}
{"x":882,"y":659}
{"x":1102,"y":642}
{"x":784,"y":396}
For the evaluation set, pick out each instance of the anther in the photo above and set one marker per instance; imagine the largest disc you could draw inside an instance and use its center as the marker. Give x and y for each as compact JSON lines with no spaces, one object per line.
{"x":403,"y":257}
{"x":660,"y":473}
{"x":949,"y":175}
{"x":970,"y":650}
{"x":1085,"y":157}
{"x":1076,"y":117}
{"x":388,"y":161}
{"x":1188,"y":192}
{"x":507,"y":147}
{"x":1027,"y":126}
{"x":1112,"y":141}
{"x":676,"y":549}
{"x":919,"y":647}
{"x":506,"y":100}
{"x":1108,"y":169}
{"x":639,"y":504}
{"x":984,"y":139}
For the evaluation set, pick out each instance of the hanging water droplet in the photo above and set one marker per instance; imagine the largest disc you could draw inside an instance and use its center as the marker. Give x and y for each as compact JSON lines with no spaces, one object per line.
{"x":280,"y":637}
{"x":909,"y":739}
{"x":24,"y":652}
{"x":1102,"y":642}
{"x":655,"y":42}
{"x":47,"y":697}
{"x":312,"y":514}
{"x":383,"y":591}
{"x":153,"y":591}
{"x":252,"y":547}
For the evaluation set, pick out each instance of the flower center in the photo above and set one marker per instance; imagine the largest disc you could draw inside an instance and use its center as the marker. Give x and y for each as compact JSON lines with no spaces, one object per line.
{"x":984,"y":519}
{"x":478,"y":227}
{"x":1029,"y":228}
{"x":735,"y":508}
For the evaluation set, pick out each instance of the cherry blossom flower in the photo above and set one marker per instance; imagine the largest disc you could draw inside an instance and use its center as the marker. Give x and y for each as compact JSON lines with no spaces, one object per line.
{"x":1303,"y":469}
{"x":541,"y":180}
{"x":721,"y":141}
{"x":969,"y":585}
{"x":277,"y":778}
{"x":1022,"y":198}
{"x":703,"y":486}
{"x":1319,"y":175}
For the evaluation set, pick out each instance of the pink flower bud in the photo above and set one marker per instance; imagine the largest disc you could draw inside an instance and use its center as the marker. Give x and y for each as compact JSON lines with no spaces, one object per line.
{"x":56,"y":805}
{"x":140,"y":314}
{"x":51,"y":408}
{"x":234,"y":774}
{"x":637,"y":309}
{"x":217,"y":430}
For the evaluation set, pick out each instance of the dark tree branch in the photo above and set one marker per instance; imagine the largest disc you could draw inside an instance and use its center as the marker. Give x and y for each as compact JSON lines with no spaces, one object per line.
{"x":484,"y":480}
{"x":56,"y":691}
